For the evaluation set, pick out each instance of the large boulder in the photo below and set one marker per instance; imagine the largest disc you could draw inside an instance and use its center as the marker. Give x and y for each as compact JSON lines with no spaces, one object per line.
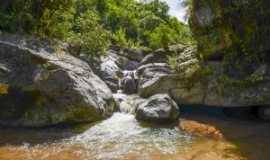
{"x":158,"y":108}
{"x":150,"y":78}
{"x":156,"y":77}
{"x":45,"y":86}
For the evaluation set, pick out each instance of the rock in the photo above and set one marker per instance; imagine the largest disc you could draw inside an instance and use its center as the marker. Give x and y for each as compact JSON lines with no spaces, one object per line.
{"x":132,"y":54}
{"x":108,"y":69}
{"x":116,"y":60}
{"x":193,"y":82}
{"x":158,"y":108}
{"x":157,"y":78}
{"x":200,"y":129}
{"x":159,"y":56}
{"x":150,"y":78}
{"x":46,"y":87}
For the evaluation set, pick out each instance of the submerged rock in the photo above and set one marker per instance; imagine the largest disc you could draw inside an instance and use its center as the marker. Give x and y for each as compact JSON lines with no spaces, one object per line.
{"x":48,"y":87}
{"x":158,"y":108}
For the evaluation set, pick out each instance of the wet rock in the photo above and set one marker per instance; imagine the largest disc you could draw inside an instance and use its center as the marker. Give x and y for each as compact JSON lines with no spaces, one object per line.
{"x":51,"y":87}
{"x":108,"y":69}
{"x":116,"y":60}
{"x":200,"y":129}
{"x":158,"y":108}
{"x":131,"y":103}
{"x":119,"y":97}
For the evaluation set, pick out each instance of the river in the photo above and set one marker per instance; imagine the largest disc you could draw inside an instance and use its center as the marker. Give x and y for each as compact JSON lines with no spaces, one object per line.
{"x":121,"y":137}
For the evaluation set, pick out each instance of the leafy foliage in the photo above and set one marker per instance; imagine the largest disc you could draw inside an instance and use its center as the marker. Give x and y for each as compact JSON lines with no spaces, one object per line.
{"x":94,"y":24}
{"x":88,"y":34}
{"x":234,"y":32}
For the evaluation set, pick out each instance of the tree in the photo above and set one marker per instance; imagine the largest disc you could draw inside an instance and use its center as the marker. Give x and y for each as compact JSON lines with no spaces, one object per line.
{"x":89,"y":35}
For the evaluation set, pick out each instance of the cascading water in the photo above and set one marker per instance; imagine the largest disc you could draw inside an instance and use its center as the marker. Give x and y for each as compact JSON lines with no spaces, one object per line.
{"x":127,"y":85}
{"x":122,"y":135}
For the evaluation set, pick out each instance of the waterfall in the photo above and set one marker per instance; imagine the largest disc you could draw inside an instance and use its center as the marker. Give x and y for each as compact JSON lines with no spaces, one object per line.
{"x":125,"y":96}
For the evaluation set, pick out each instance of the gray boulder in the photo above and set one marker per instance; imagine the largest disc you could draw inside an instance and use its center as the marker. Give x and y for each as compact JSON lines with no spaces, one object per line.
{"x":47,"y":87}
{"x":108,"y":69}
{"x":158,"y":108}
{"x":153,"y":79}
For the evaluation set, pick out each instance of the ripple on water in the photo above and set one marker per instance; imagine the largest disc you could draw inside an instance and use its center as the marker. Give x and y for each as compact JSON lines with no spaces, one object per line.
{"x":122,"y":134}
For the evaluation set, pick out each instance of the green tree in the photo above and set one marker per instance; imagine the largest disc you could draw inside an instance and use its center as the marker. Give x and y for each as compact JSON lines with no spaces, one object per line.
{"x":89,"y":35}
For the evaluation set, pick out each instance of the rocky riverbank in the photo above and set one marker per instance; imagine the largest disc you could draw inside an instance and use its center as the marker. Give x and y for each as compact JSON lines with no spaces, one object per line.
{"x":53,"y":87}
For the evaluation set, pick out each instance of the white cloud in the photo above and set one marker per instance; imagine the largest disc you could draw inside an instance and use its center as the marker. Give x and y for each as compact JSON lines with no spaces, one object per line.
{"x":176,"y":9}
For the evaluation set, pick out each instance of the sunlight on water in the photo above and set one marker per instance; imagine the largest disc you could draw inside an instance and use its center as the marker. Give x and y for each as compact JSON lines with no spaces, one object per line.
{"x":121,"y":134}
{"x":119,"y":137}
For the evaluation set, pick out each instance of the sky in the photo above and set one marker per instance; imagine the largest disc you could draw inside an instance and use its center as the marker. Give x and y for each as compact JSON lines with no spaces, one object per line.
{"x":176,"y":9}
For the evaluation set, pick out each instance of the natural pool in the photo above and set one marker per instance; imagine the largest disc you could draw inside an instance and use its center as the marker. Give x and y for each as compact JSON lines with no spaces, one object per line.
{"x":121,"y":137}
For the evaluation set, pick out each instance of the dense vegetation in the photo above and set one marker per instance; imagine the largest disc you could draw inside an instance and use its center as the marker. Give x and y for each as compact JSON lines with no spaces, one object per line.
{"x":235,"y":32}
{"x":93,"y":25}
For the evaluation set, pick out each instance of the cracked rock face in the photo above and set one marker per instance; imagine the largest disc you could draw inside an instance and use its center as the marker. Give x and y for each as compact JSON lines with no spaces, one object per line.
{"x":48,"y":87}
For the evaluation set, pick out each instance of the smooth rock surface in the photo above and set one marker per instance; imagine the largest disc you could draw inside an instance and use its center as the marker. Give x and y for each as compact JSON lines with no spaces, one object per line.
{"x":48,"y":87}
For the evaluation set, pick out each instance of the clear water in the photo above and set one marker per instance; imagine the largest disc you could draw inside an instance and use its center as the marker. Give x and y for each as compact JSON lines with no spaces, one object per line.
{"x":118,"y":137}
{"x":121,"y":137}
{"x":122,"y":134}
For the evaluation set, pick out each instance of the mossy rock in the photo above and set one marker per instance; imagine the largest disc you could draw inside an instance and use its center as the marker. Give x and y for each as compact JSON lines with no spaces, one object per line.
{"x":238,"y":29}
